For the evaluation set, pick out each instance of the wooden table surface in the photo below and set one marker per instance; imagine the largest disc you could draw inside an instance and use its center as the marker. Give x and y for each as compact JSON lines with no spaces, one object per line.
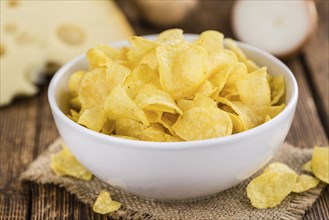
{"x":27,"y":126}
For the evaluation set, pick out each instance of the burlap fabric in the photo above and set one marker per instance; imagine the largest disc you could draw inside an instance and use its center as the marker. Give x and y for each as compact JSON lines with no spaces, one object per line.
{"x":230,"y":204}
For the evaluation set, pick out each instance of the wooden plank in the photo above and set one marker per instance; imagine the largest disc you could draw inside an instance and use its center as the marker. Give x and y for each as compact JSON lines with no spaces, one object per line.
{"x":306,"y":129}
{"x":317,"y":62}
{"x":14,"y":206}
{"x":51,"y":202}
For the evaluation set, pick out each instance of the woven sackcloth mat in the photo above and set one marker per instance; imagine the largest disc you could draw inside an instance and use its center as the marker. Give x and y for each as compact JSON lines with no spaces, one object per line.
{"x":230,"y":204}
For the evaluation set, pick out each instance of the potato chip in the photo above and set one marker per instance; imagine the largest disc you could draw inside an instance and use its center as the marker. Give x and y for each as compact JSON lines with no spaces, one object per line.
{"x":94,"y":89}
{"x":75,"y":103}
{"x":116,"y":74}
{"x":270,"y":188}
{"x":63,"y":163}
{"x":279,"y":167}
{"x":108,"y":127}
{"x":119,"y":105}
{"x":129,"y":127}
{"x":211,"y":122}
{"x":171,"y":36}
{"x":153,"y":133}
{"x":113,"y":53}
{"x":140,"y":47}
{"x":320,"y":163}
{"x":140,"y":76}
{"x":152,"y":98}
{"x":104,"y":204}
{"x":93,"y":118}
{"x":153,"y":116}
{"x":277,"y":85}
{"x":252,"y":66}
{"x":253,"y":88}
{"x":74,"y":115}
{"x":182,"y":68}
{"x":74,"y":83}
{"x":97,"y":58}
{"x":207,"y":88}
{"x":307,"y":166}
{"x":304,"y":183}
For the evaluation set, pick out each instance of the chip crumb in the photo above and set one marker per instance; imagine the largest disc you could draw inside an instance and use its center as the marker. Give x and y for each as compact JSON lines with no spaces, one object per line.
{"x":104,"y":204}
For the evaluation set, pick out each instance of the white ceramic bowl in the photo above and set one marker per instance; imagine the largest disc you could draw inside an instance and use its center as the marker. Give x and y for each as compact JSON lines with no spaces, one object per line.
{"x":177,"y":170}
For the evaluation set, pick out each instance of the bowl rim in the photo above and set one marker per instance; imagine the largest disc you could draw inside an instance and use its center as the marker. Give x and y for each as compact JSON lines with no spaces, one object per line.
{"x":290,"y":106}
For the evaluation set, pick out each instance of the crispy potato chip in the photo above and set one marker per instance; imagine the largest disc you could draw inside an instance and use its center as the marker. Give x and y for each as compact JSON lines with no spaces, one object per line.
{"x":304,"y":183}
{"x":152,"y":98}
{"x":119,"y":105}
{"x":279,"y":167}
{"x":267,"y":118}
{"x":171,"y":36}
{"x":116,"y":74}
{"x":270,"y":188}
{"x":238,"y":123}
{"x":253,"y":88}
{"x":63,"y":163}
{"x":277,"y":85}
{"x":108,"y":127}
{"x":207,"y":88}
{"x":182,"y":68}
{"x":211,"y":123}
{"x":140,"y":47}
{"x":93,"y":118}
{"x":129,"y":127}
{"x":113,"y":53}
{"x":104,"y":204}
{"x":153,"y":133}
{"x":139,"y":77}
{"x":74,"y":82}
{"x":94,"y":89}
{"x":75,"y":103}
{"x":97,"y":58}
{"x":153,"y":116}
{"x":320,"y":163}
{"x":74,"y":115}
{"x":252,"y":66}
{"x":307,"y":166}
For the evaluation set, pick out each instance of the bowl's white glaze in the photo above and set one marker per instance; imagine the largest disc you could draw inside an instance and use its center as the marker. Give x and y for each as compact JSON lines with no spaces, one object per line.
{"x":177,"y":170}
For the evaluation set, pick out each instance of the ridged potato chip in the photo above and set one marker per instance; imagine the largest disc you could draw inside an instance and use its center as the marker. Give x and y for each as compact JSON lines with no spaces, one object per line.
{"x":116,"y":74}
{"x":277,"y":89}
{"x":97,"y":58}
{"x":320,"y":163}
{"x":64,"y":163}
{"x":304,"y":183}
{"x":171,"y":36}
{"x":104,"y":204}
{"x":74,"y":83}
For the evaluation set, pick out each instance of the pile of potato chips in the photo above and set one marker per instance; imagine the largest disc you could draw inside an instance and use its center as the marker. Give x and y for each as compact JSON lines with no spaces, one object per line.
{"x":173,"y":90}
{"x":278,"y":180}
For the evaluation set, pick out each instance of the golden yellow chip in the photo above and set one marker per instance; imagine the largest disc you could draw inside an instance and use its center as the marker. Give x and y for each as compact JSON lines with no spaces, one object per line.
{"x":94,"y":89}
{"x":152,"y":98}
{"x":104,"y":204}
{"x":74,"y":82}
{"x":97,"y":58}
{"x":140,"y":47}
{"x":129,"y":127}
{"x":182,"y":68}
{"x":113,"y":53}
{"x":212,"y":122}
{"x":304,"y":183}
{"x":320,"y":163}
{"x":139,"y":77}
{"x":116,"y":74}
{"x":108,"y":127}
{"x":254,"y":89}
{"x":93,"y":118}
{"x":270,"y":188}
{"x":277,"y":85}
{"x":74,"y":115}
{"x":171,"y":36}
{"x":63,"y":163}
{"x":75,"y":103}
{"x":307,"y":166}
{"x":279,"y":167}
{"x":153,"y":116}
{"x":153,"y":133}
{"x":252,"y":66}
{"x":118,"y":105}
